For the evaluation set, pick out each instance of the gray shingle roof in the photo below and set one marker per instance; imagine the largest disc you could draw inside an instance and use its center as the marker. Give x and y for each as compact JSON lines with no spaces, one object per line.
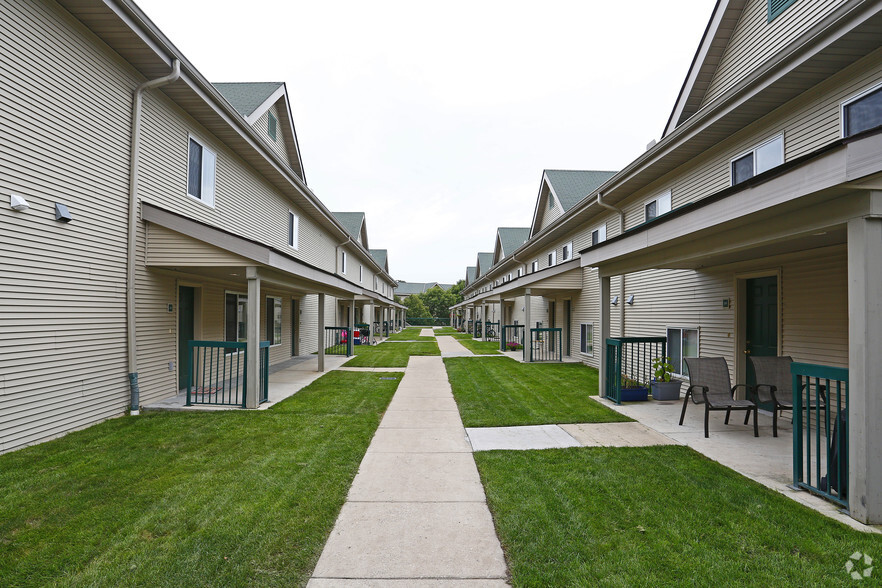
{"x":511,"y":238}
{"x":247,"y":96}
{"x":470,"y":274}
{"x":485,"y":260}
{"x":571,"y":186}
{"x":381,"y":257}
{"x":352,"y":222}
{"x":408,"y":288}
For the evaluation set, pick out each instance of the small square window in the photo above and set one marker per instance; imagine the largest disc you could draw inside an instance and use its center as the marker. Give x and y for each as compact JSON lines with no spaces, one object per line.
{"x":271,"y":125}
{"x":659,"y":206}
{"x":534,"y":267}
{"x":862,"y":114}
{"x":552,"y":258}
{"x":567,"y":252}
{"x":761,"y":158}
{"x":598,"y":235}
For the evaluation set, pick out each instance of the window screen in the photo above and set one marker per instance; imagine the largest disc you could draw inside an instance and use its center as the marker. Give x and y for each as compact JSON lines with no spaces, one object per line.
{"x":863,"y":114}
{"x":742,"y":169}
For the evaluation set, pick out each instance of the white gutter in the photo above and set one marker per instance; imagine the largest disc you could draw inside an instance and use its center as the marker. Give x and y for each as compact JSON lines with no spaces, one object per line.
{"x":134,"y":153}
{"x":622,"y":277}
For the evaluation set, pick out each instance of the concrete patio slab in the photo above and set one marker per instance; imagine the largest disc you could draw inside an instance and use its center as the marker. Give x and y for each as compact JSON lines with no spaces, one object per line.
{"x":616,"y":435}
{"x":446,"y":440}
{"x":420,"y":419}
{"x":417,"y":477}
{"x":520,"y":438}
{"x":412,"y":540}
{"x":408,"y":583}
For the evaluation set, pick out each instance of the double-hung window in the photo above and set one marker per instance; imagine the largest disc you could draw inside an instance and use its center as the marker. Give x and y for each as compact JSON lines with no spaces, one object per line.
{"x":761,"y":158}
{"x":598,"y":235}
{"x":682,"y":343}
{"x":862,"y":112}
{"x":274,"y":320}
{"x":656,"y":207}
{"x":201,"y":169}
{"x":567,"y":252}
{"x":552,"y":258}
{"x":586,"y":339}
{"x":293,"y":230}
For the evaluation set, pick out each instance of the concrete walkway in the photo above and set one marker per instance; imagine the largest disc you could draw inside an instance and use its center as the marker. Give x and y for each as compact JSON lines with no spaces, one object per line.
{"x":561,"y":436}
{"x":427,"y":333}
{"x":416,"y":514}
{"x":450,"y":347}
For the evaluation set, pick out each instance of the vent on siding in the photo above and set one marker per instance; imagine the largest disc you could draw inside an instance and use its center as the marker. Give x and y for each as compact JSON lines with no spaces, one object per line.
{"x":776,"y":7}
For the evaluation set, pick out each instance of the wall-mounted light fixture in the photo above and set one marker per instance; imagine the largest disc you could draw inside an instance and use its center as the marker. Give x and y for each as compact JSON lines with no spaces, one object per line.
{"x":630,"y":299}
{"x":62,"y":214}
{"x":18,"y":203}
{"x":614,"y":301}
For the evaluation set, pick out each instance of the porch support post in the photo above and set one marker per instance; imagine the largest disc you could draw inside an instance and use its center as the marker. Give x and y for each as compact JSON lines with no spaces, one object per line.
{"x":604,"y":332}
{"x":865,"y":369}
{"x":527,"y":324}
{"x":321,"y":332}
{"x":252,"y":346}
{"x":349,"y":349}
{"x":484,"y":316}
{"x":368,"y":318}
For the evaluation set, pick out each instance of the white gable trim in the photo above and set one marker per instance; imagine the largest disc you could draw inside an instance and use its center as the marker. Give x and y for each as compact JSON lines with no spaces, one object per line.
{"x":266,"y":105}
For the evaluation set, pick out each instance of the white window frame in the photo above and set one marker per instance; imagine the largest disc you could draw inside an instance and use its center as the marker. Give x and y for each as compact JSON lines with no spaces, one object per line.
{"x":682,"y":328}
{"x":552,"y":258}
{"x":343,"y":263}
{"x":534,"y":266}
{"x":567,"y":247}
{"x":293,"y":230}
{"x":663,"y":203}
{"x":582,"y":346}
{"x":509,"y":276}
{"x":239,"y":297}
{"x":208,"y":182}
{"x":752,"y":151}
{"x":850,"y":100}
{"x":276,"y":303}
{"x":519,"y":272}
{"x":360,"y":273}
{"x":601,"y":234}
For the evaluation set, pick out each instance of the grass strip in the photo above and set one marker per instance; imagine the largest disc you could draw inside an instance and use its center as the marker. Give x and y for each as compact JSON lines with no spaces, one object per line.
{"x":390,"y":354}
{"x":228,"y":498}
{"x":480,"y":347}
{"x":409,"y":334}
{"x":656,"y":516}
{"x":500,"y":392}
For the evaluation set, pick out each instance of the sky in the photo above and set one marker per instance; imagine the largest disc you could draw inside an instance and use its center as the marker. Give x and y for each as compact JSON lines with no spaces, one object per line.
{"x":437,"y":119}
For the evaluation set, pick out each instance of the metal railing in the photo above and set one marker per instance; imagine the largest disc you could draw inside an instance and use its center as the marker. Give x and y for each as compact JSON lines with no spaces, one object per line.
{"x":470,"y":327}
{"x":376,"y":328}
{"x":338,"y":341}
{"x":478,"y":331}
{"x":385,"y":328}
{"x":820,"y":399}
{"x":491,"y":331}
{"x":428,"y":321}
{"x":544,"y":345}
{"x":362,"y":336}
{"x":217,"y":372}
{"x":629,"y":363}
{"x":511,"y":338}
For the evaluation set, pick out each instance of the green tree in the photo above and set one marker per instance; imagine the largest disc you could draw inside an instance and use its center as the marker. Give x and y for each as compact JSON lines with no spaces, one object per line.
{"x":438,"y":301}
{"x":415,"y":307}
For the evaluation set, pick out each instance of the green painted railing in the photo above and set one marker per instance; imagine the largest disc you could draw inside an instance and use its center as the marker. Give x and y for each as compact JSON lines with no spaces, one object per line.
{"x":629,"y":362}
{"x":511,"y":338}
{"x":820,"y":459}
{"x":217,"y":373}
{"x":491,"y":331}
{"x":427,"y":321}
{"x":338,"y":341}
{"x":544,"y":345}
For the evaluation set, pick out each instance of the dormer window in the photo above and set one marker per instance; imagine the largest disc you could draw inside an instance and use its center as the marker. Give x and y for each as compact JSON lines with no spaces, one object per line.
{"x":657,"y":206}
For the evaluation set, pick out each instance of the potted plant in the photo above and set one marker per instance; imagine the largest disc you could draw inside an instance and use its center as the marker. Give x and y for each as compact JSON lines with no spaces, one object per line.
{"x":513,"y":346}
{"x":663,"y":387}
{"x":632,"y":390}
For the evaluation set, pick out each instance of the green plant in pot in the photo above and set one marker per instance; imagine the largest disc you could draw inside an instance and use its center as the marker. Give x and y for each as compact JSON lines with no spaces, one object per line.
{"x":663,"y":387}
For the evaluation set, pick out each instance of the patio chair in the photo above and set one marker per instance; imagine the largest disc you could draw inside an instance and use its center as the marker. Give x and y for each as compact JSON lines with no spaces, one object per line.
{"x":709,"y":384}
{"x":775,"y":385}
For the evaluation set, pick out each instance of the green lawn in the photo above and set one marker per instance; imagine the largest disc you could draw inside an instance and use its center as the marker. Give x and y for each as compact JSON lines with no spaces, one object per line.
{"x":498,"y":392}
{"x":656,"y":516}
{"x":410,"y":334}
{"x":480,"y":347}
{"x":390,"y":354}
{"x":190,"y":499}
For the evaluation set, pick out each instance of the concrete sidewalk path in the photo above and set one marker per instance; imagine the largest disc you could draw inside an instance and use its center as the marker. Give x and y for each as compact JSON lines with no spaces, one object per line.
{"x":416,"y":514}
{"x":427,"y":333}
{"x":450,"y":347}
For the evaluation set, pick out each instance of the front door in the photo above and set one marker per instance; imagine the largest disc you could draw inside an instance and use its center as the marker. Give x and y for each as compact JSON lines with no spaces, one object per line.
{"x":761,"y":332}
{"x":186,"y":331}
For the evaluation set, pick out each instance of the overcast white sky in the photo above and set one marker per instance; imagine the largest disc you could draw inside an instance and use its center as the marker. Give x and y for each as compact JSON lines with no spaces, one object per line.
{"x":437,"y":119}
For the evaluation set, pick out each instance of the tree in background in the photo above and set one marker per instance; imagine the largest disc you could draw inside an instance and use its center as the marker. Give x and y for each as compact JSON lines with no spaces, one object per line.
{"x":438,"y":301}
{"x":415,"y":307}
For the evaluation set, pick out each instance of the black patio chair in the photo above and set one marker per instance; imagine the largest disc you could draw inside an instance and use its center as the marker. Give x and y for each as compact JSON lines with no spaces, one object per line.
{"x":709,"y":384}
{"x":775,"y":385}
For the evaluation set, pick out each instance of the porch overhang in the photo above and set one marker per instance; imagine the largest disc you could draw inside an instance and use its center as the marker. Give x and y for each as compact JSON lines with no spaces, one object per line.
{"x":560,"y":279}
{"x":804,"y":205}
{"x":218,"y":254}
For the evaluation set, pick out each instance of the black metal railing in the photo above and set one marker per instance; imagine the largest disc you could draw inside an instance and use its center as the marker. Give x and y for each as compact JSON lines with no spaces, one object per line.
{"x":217,"y":372}
{"x":629,"y":364}
{"x":820,"y":430}
{"x":511,"y":338}
{"x":491,"y":331}
{"x":478,"y":330}
{"x":544,"y":345}
{"x":338,"y":341}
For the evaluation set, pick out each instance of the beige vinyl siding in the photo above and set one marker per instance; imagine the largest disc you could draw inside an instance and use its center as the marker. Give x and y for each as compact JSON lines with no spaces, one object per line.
{"x":62,"y":286}
{"x":309,"y":324}
{"x":245,"y":202}
{"x":755,"y":39}
{"x":808,"y":122}
{"x":548,"y":215}
{"x":277,"y":145}
{"x":586,"y":309}
{"x":169,"y":248}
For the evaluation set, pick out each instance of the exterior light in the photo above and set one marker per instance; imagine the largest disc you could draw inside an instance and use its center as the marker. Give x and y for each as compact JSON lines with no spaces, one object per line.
{"x":614,"y":301}
{"x":630,"y":299}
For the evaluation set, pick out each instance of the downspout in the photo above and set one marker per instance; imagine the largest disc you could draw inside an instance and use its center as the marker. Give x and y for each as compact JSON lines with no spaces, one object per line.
{"x":134,"y":153}
{"x":621,"y":214}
